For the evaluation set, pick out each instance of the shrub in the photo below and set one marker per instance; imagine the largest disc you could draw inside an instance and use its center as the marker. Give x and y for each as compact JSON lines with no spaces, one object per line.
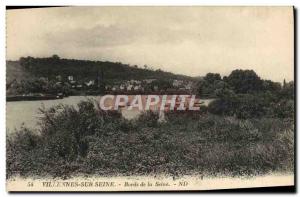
{"x":85,"y":140}
{"x":252,"y":106}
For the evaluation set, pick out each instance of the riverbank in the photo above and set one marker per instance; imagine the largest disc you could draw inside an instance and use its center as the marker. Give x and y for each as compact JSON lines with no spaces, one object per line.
{"x":33,"y":97}
{"x":83,"y":140}
{"x":27,"y":112}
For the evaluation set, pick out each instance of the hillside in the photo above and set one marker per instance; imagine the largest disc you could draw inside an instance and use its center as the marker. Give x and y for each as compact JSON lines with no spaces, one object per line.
{"x":15,"y":71}
{"x":82,"y":70}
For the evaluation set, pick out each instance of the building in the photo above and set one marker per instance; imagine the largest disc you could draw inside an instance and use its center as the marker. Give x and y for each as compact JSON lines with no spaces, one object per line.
{"x":70,"y":78}
{"x":90,"y":83}
{"x":177,"y":83}
{"x":137,"y":88}
{"x":129,"y":87}
{"x":149,"y":80}
{"x":122,"y":87}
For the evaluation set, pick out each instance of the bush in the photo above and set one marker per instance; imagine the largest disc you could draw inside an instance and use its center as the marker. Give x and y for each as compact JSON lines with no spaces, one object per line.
{"x":252,"y":106}
{"x":85,"y":140}
{"x":284,"y":108}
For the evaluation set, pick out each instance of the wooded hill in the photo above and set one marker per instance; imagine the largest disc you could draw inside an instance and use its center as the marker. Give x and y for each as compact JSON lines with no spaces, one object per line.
{"x":83,"y":70}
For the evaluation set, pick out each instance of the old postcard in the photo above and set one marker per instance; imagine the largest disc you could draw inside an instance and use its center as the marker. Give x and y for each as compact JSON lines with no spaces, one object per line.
{"x":149,"y":98}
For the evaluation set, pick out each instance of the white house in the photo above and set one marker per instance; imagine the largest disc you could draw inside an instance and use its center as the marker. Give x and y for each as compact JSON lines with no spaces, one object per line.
{"x":129,"y":87}
{"x":70,"y":78}
{"x":177,"y":83}
{"x":90,"y":83}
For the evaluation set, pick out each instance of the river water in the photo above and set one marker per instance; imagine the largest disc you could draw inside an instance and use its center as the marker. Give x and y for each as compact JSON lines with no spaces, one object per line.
{"x":26,"y":113}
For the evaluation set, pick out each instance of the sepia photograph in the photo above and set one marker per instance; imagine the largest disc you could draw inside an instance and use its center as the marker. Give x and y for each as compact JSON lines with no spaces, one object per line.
{"x":149,"y":98}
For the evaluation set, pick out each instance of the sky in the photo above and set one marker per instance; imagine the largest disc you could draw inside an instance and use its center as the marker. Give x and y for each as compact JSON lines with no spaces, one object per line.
{"x":184,"y":40}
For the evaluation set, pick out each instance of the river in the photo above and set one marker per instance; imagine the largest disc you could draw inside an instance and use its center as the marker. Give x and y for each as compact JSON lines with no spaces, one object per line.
{"x":26,"y":113}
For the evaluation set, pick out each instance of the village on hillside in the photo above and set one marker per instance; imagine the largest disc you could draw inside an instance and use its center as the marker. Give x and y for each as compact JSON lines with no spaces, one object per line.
{"x":71,"y":85}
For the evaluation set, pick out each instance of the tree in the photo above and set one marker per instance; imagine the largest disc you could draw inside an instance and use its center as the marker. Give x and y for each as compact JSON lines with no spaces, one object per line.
{"x":26,"y":62}
{"x":211,"y":84}
{"x":268,"y":85}
{"x":212,"y":77}
{"x":244,"y":81}
{"x":55,"y":57}
{"x":288,"y":91}
{"x":202,"y":87}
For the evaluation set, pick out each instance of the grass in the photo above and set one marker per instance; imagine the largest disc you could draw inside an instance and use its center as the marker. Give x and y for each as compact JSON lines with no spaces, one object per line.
{"x":84,"y":140}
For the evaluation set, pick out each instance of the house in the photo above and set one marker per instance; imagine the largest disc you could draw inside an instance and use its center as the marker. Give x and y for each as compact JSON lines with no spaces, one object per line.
{"x":134,"y":82}
{"x":188,"y":86}
{"x":90,"y":83}
{"x":177,"y":83}
{"x":137,"y":88}
{"x":129,"y":87}
{"x":122,"y":87}
{"x":70,"y":78}
{"x":72,"y":82}
{"x":114,"y":88}
{"x":149,"y":80}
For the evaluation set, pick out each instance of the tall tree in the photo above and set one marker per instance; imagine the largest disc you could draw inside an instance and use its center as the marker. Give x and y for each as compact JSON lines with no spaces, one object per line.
{"x":244,"y":81}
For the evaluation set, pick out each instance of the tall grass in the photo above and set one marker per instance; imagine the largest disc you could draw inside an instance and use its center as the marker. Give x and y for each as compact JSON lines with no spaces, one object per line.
{"x":84,"y":140}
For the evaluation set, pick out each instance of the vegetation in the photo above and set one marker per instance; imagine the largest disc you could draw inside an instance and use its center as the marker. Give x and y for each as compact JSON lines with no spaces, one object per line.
{"x":41,"y":85}
{"x":244,"y":95}
{"x":247,"y":130}
{"x":239,"y":82}
{"x":84,"y":69}
{"x":85,"y":140}
{"x":50,"y":75}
